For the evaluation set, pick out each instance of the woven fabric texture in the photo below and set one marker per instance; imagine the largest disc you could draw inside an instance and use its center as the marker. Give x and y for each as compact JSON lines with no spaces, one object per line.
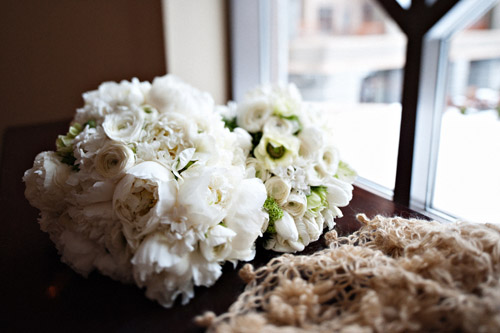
{"x":393,"y":275}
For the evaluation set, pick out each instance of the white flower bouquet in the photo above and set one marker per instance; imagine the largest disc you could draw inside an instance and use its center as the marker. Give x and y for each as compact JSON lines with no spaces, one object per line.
{"x":157,"y":185}
{"x":293,"y":155}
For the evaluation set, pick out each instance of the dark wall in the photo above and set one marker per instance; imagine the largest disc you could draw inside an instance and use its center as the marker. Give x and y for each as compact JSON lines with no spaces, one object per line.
{"x":51,"y":51}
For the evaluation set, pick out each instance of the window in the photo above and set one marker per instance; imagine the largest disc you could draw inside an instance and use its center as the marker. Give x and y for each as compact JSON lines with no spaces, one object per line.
{"x":467,"y":181}
{"x":380,"y":69}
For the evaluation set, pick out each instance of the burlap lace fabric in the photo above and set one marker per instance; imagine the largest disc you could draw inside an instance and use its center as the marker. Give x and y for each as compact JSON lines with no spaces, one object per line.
{"x":393,"y":275}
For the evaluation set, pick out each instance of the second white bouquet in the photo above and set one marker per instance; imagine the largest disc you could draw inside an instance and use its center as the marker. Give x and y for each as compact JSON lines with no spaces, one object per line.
{"x":294,"y":155}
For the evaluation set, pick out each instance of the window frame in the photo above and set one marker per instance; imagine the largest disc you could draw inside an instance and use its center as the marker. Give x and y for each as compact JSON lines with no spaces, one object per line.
{"x":428,"y":26}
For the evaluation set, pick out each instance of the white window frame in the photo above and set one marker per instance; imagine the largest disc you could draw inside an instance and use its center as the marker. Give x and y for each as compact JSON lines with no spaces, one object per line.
{"x":433,"y":76}
{"x":252,"y":57}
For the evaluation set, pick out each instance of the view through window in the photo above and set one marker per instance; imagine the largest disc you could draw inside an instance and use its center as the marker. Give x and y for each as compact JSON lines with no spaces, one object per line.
{"x":348,"y":55}
{"x":467,"y":182}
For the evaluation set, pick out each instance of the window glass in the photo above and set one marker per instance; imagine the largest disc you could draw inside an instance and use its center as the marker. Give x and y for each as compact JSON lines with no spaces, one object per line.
{"x":347,"y":56}
{"x":467,"y":183}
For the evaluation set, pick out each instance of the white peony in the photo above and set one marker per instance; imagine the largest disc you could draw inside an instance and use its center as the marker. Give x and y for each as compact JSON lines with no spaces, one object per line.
{"x":142,"y":198}
{"x":217,"y":245}
{"x":46,"y":182}
{"x":170,"y":94}
{"x":246,"y":217}
{"x":206,"y":194}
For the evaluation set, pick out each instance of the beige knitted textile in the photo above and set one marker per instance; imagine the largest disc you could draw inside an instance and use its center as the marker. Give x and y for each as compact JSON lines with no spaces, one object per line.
{"x":393,"y":275}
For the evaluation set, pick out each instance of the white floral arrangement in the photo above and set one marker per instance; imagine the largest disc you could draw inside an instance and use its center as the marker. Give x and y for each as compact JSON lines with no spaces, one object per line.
{"x":293,"y":154}
{"x":155,"y":184}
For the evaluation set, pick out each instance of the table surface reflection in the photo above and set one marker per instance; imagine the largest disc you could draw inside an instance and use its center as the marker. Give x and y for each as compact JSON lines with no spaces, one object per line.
{"x":39,"y":293}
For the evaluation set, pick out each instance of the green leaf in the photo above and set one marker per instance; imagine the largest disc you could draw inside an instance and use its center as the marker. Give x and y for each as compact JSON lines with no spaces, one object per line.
{"x":274,"y":211}
{"x":230,"y":123}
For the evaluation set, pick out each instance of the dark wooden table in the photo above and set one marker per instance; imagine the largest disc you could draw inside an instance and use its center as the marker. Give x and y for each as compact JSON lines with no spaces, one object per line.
{"x":38,"y":293}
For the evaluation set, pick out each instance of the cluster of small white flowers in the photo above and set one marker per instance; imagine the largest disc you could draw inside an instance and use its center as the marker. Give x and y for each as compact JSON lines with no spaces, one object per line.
{"x":293,"y":154}
{"x":148,"y":186}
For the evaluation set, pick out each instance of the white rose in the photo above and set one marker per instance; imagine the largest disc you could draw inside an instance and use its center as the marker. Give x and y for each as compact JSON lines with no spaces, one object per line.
{"x":114,"y":159}
{"x":278,"y":188}
{"x":124,"y":125}
{"x":46,"y":187}
{"x":276,"y":150}
{"x":142,"y":197}
{"x":251,"y":115}
{"x":296,"y":204}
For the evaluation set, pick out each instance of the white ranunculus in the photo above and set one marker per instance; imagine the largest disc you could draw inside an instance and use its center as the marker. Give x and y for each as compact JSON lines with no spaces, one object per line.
{"x":311,"y":141}
{"x":46,"y":182}
{"x":253,"y":114}
{"x":278,"y":188}
{"x":124,"y":125}
{"x":329,"y":160}
{"x":114,"y":159}
{"x":142,"y":198}
{"x":276,"y":150}
{"x":314,"y":175}
{"x":284,"y":99}
{"x":296,"y":204}
{"x":279,"y":125}
{"x":287,"y":100}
